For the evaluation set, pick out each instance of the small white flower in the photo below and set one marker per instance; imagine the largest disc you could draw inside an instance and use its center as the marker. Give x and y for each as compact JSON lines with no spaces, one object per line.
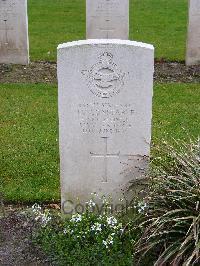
{"x":36,"y":208}
{"x":96,"y":227}
{"x":108,"y":242}
{"x":111,"y":221}
{"x":142,"y":206}
{"x":105,"y":243}
{"x":45,"y":218}
{"x":91,"y":203}
{"x":76,"y":218}
{"x":93,"y":227}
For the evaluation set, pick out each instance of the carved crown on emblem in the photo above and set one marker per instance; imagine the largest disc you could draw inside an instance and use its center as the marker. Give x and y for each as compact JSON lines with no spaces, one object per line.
{"x":104,"y":79}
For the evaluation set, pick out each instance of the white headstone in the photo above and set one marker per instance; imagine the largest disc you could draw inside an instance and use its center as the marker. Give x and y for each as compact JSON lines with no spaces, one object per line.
{"x":193,"y":41}
{"x":14,"y":46}
{"x":105,"y":111}
{"x":107,"y":19}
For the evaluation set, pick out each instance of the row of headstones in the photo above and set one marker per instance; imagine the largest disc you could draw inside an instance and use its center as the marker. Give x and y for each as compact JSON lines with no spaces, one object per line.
{"x":106,"y":19}
{"x":105,"y":101}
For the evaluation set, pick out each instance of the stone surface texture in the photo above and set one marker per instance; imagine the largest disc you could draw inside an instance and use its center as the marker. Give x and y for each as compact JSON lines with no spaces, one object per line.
{"x":14,"y":45}
{"x":107,"y":19}
{"x":105,"y":111}
{"x":193,"y":41}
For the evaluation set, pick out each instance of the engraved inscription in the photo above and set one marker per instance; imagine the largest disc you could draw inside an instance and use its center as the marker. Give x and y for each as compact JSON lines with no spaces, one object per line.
{"x":104,"y":79}
{"x":108,"y":8}
{"x":105,"y":118}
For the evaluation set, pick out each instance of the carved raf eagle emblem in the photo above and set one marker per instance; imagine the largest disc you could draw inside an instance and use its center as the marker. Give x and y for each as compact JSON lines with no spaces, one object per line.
{"x":104,"y":79}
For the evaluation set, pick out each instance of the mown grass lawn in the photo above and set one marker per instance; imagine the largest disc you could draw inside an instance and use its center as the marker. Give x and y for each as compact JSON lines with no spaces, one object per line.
{"x":160,"y":22}
{"x":29,"y":166}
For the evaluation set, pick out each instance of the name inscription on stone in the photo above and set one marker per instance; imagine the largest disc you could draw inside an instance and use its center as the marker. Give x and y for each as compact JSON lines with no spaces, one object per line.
{"x":105,"y":118}
{"x":108,"y":8}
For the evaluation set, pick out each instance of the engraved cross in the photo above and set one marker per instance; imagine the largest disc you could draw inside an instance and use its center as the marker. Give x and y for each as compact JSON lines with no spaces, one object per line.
{"x":105,"y":156}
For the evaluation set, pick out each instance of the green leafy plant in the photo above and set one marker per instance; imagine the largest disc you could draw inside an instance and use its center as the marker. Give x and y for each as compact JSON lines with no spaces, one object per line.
{"x":171,"y":225}
{"x":84,"y":239}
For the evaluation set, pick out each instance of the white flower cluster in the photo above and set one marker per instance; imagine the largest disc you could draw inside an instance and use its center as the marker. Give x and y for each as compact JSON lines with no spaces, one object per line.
{"x":76,"y":218}
{"x":108,"y":241}
{"x":103,"y":227}
{"x":67,"y":230}
{"x":91,"y":203}
{"x":141,"y":206}
{"x":97,"y":227}
{"x":112,"y":221}
{"x":36,"y":209}
{"x":43,"y":217}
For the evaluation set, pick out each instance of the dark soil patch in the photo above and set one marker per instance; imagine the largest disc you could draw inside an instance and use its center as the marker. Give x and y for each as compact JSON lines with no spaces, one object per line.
{"x":45,"y":72}
{"x":16,"y":247}
{"x":35,"y":72}
{"x":176,"y":72}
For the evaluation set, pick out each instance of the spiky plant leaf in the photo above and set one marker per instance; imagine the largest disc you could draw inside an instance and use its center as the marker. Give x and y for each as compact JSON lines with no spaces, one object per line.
{"x":172,"y":220}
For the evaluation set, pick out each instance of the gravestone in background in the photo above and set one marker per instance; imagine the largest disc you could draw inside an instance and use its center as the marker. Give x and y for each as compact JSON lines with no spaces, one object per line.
{"x":107,"y":19}
{"x":193,"y":40}
{"x":14,"y":46}
{"x":105,"y":111}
